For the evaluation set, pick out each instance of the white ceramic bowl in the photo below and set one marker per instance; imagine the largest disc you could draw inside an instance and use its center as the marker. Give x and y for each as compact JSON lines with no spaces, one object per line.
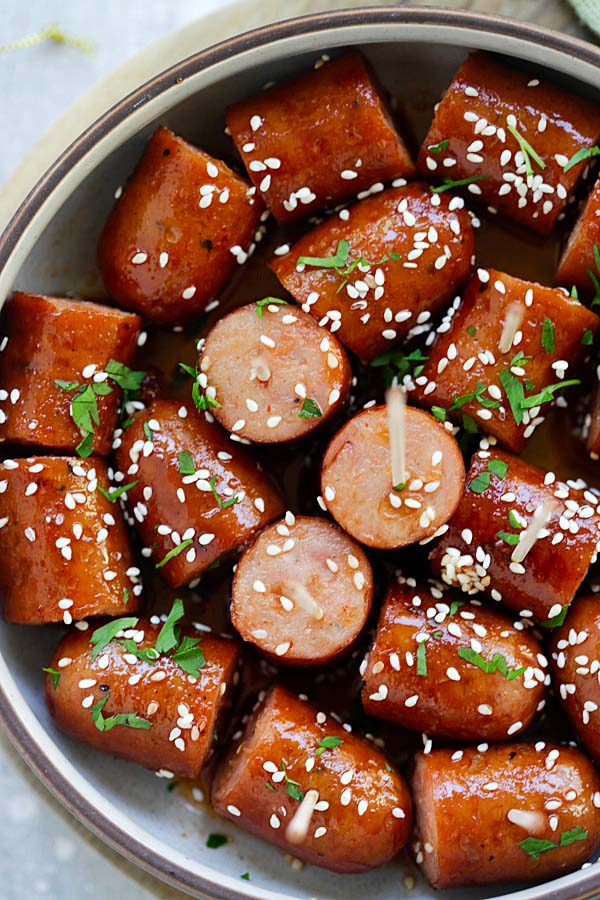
{"x":49,"y":246}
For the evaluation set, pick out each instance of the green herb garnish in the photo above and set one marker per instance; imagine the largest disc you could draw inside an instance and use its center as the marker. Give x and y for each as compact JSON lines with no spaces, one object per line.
{"x":328,"y":743}
{"x":179,"y":548}
{"x":222,"y":504}
{"x":587,"y":338}
{"x":422,"y":659}
{"x":131,"y":720}
{"x":548,"y":341}
{"x":186,"y":463}
{"x":536,"y":846}
{"x":497,"y":663}
{"x":310,"y":409}
{"x":201,"y":400}
{"x":214,"y":841}
{"x":399,"y":364}
{"x":107,"y":633}
{"x":557,"y":620}
{"x":337,"y":261}
{"x":527,"y":150}
{"x":437,"y":148}
{"x":117,"y":492}
{"x":268,"y":301}
{"x":449,"y":183}
{"x":55,"y":675}
{"x":581,"y":156}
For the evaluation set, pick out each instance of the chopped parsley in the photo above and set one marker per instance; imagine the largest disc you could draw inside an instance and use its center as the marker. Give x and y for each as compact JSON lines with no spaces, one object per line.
{"x":399,"y":364}
{"x":189,"y":656}
{"x":55,"y":675}
{"x":186,"y":463}
{"x":310,"y":409}
{"x":117,"y":492}
{"x":508,"y":537}
{"x":179,"y":548}
{"x":437,"y":148}
{"x":107,"y":633}
{"x":536,"y":846}
{"x":471,"y":330}
{"x":328,"y":743}
{"x":455,"y":606}
{"x":449,"y":183}
{"x":292,"y":788}
{"x":222,"y":504}
{"x":439,"y":413}
{"x":497,"y":663}
{"x":201,"y":400}
{"x":422,"y":659}
{"x":214,"y":841}
{"x":268,"y":301}
{"x":477,"y":396}
{"x":527,"y":150}
{"x":587,"y":338}
{"x":168,"y":636}
{"x":594,"y":276}
{"x":84,"y":404}
{"x":498,"y":467}
{"x":148,"y":433}
{"x":246,"y":876}
{"x":581,"y":156}
{"x":336,"y":261}
{"x":480,"y":483}
{"x":130,"y":720}
{"x":557,"y":620}
{"x":548,"y":342}
{"x":401,"y":486}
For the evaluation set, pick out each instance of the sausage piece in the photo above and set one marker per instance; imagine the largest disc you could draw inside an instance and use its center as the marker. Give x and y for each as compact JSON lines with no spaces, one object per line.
{"x":501,"y":815}
{"x":302,"y":592}
{"x":574,"y":660}
{"x":173,"y":237}
{"x":514,"y":134}
{"x":591,"y":431}
{"x":314,"y":140}
{"x":508,"y":506}
{"x":196,"y":495}
{"x":64,"y":547}
{"x":273,"y":373}
{"x":452,"y":668}
{"x":509,"y":341}
{"x":371,"y":508}
{"x":301,"y":782}
{"x":50,"y":349}
{"x":400,"y":255}
{"x":577,"y":258}
{"x":180,"y":712}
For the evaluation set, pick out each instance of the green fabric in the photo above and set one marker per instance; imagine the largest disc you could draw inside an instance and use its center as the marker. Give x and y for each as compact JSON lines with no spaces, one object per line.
{"x":589,"y":12}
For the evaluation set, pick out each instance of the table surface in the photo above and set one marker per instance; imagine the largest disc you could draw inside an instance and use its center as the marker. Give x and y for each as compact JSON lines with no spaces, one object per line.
{"x":45,"y":852}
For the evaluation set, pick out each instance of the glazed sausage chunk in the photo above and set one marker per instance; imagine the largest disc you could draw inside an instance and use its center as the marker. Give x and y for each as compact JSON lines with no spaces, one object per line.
{"x":195,"y":496}
{"x":373,"y":508}
{"x":520,"y":535}
{"x":127,"y":699}
{"x":317,"y":139}
{"x":502,"y":359}
{"x":64,"y":546}
{"x":302,"y":592}
{"x":273,"y":373}
{"x":335,"y":801}
{"x":578,"y":258}
{"x":451,"y":668}
{"x":51,"y":351}
{"x":591,"y":431}
{"x":173,"y":237}
{"x":512,"y":136}
{"x":512,"y":813}
{"x":380,"y":271}
{"x":574,"y":659}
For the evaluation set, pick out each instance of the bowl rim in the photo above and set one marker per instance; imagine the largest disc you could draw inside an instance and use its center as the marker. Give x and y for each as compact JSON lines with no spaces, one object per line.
{"x":17,"y":720}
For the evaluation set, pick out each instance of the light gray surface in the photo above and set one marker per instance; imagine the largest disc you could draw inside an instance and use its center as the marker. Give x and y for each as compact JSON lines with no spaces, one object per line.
{"x":44,"y":852}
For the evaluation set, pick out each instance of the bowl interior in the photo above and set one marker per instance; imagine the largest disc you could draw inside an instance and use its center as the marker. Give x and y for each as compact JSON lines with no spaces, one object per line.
{"x":62,"y":260}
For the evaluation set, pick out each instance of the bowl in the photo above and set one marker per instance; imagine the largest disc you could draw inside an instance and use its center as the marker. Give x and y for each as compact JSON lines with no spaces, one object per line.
{"x":49,"y":246}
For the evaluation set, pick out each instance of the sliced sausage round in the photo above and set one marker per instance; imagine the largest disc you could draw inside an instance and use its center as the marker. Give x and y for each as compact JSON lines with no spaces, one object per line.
{"x":302,"y":592}
{"x":371,"y":508}
{"x":302,"y":782}
{"x":451,"y":668}
{"x":166,"y":717}
{"x":273,"y":372}
{"x":517,"y":812}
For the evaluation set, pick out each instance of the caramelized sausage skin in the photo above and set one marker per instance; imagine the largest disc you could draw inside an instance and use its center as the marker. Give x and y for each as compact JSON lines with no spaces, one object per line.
{"x":440,"y":692}
{"x":65,"y":548}
{"x":474,"y":810}
{"x":577,"y":258}
{"x":275,"y":375}
{"x":416,"y":250}
{"x":374,"y":510}
{"x":475,"y":554}
{"x":574,"y":655}
{"x":206,"y":518}
{"x":302,"y":591}
{"x":361,"y":826}
{"x":172,"y":239}
{"x":468,"y":361}
{"x":179,"y":741}
{"x":50,"y":339}
{"x":319,"y":138}
{"x":478,"y":132}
